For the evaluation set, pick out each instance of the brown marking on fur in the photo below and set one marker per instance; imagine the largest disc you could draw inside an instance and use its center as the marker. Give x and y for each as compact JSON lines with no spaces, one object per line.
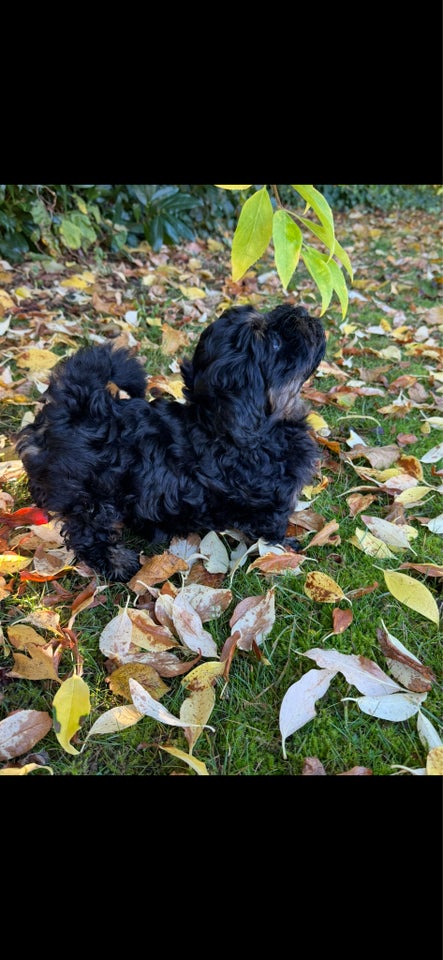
{"x":285,"y":403}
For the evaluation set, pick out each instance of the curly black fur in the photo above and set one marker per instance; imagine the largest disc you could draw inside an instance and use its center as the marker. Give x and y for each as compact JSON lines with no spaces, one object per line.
{"x":235,"y":455}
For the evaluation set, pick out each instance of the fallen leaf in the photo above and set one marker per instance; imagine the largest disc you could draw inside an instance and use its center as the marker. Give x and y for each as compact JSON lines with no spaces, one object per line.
{"x":356,"y":772}
{"x":148,"y":634}
{"x":412,"y":593}
{"x":341,"y":619}
{"x":21,"y":731}
{"x":203,"y":676}
{"x":427,"y":732}
{"x":37,"y":359}
{"x":326,"y":535}
{"x":398,"y":707}
{"x":115,"y":720}
{"x":374,"y":547}
{"x":155,"y":570}
{"x":190,"y":628}
{"x":23,"y":771}
{"x":197,"y":709}
{"x":39,"y":665}
{"x":172,"y":340}
{"x":312,"y":767}
{"x":406,"y":668}
{"x":298,"y":704}
{"x":207,"y":601}
{"x":146,"y":704}
{"x":323,"y":589}
{"x":428,"y":569}
{"x":196,"y":765}
{"x":434,"y":762}
{"x":20,"y":635}
{"x":272,"y":563}
{"x":357,"y":670}
{"x":253,"y":618}
{"x":433,"y":455}
{"x":12,"y":562}
{"x":215,"y":553}
{"x":115,"y":638}
{"x":395,"y":535}
{"x":118,"y":680}
{"x":71,"y":705}
{"x":436,"y":524}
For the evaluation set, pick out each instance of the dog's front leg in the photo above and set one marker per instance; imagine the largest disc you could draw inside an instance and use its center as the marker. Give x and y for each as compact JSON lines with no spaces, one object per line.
{"x":96,"y":538}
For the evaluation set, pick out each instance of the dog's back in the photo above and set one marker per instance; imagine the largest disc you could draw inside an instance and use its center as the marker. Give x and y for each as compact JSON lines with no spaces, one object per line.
{"x":83,"y":390}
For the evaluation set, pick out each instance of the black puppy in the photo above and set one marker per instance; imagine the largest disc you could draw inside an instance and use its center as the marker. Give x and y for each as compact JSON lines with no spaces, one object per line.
{"x":235,"y":455}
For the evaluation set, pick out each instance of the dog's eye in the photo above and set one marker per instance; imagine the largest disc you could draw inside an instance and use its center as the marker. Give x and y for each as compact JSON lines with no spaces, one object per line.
{"x":275,"y":341}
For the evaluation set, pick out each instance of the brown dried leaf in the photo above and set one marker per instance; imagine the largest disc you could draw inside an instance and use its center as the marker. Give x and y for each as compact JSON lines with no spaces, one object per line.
{"x":146,"y":675}
{"x":21,"y":731}
{"x":341,"y":619}
{"x":277,"y":563}
{"x":326,"y":535}
{"x":155,"y":570}
{"x":172,"y":340}
{"x":38,"y":666}
{"x":428,"y":569}
{"x":312,"y":767}
{"x":21,"y":635}
{"x":148,"y":634}
{"x":358,"y":502}
{"x":190,"y":628}
{"x":379,"y":457}
{"x":356,"y":772}
{"x":253,"y":619}
{"x":403,"y":665}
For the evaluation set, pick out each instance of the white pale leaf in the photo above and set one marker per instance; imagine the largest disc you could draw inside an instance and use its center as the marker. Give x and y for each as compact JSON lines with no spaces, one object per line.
{"x":393,"y":534}
{"x":115,"y":639}
{"x":399,"y":706}
{"x":358,"y":670}
{"x":433,"y":455}
{"x":115,"y":720}
{"x":436,"y":524}
{"x":215,"y":552}
{"x":298,"y":704}
{"x":354,"y":439}
{"x":427,"y":732}
{"x":146,"y":704}
{"x":190,"y":628}
{"x":209,"y":602}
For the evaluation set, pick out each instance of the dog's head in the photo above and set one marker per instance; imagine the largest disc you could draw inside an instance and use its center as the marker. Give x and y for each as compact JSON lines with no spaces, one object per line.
{"x":249,"y":367}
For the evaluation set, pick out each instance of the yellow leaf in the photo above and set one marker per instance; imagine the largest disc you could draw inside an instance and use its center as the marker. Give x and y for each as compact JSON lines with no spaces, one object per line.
{"x":309,"y":491}
{"x":203,"y":675}
{"x":318,"y":423}
{"x":192,"y":293}
{"x":71,"y":704}
{"x":197,"y":708}
{"x":370,"y":545}
{"x":412,"y":593}
{"x":320,"y":587}
{"x":23,"y":293}
{"x":434,"y":762}
{"x":38,"y":666}
{"x":233,"y":186}
{"x":13,"y":562}
{"x":37,"y":360}
{"x":145,"y":674}
{"x":22,"y":771}
{"x":196,"y":765}
{"x":20,"y":635}
{"x":76,"y":281}
{"x":6,"y":302}
{"x":172,"y":340}
{"x":115,"y":720}
{"x":412,"y":495}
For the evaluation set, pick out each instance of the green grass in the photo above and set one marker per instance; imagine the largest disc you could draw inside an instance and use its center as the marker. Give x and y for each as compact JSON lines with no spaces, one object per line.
{"x":245,"y":718}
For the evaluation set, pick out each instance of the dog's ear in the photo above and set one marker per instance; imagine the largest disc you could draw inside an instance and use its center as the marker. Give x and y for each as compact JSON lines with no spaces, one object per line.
{"x":225,"y":379}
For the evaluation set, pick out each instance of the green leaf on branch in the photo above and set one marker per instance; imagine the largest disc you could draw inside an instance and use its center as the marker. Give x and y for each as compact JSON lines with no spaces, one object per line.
{"x":320,"y":207}
{"x":70,"y":233}
{"x":339,"y":285}
{"x":252,"y":234}
{"x":288,"y":239}
{"x":320,"y":272}
{"x":338,"y":249}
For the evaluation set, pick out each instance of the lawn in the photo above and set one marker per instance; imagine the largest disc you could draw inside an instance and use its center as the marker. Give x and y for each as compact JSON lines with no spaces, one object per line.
{"x":377,"y":406}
